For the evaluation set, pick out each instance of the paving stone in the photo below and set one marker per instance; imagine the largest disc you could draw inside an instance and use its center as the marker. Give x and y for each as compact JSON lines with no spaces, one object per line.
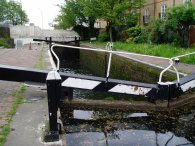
{"x":22,"y":58}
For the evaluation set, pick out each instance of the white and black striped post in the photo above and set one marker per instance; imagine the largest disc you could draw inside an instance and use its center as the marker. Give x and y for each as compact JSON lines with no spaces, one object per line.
{"x":53,"y":92}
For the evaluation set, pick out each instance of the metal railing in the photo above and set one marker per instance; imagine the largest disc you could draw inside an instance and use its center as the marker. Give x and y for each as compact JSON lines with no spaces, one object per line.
{"x":172,"y":65}
{"x":109,"y":50}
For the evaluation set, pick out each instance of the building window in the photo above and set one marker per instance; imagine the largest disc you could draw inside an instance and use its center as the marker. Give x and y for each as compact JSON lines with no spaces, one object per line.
{"x":146,"y":16}
{"x":163,"y":11}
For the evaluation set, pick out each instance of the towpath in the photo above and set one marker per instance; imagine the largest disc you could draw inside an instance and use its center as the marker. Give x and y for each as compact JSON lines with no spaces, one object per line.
{"x":22,"y":58}
{"x":33,"y":113}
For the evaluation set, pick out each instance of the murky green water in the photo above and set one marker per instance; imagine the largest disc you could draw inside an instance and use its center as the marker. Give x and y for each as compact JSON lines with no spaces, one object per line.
{"x":104,"y":128}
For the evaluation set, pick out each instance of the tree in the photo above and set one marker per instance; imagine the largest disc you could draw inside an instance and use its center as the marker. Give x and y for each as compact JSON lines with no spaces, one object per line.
{"x":71,"y":14}
{"x":91,"y":13}
{"x":118,"y":12}
{"x":76,"y":12}
{"x":175,"y":28}
{"x":12,"y":11}
{"x":3,"y":10}
{"x":180,"y":19}
{"x":115,"y":12}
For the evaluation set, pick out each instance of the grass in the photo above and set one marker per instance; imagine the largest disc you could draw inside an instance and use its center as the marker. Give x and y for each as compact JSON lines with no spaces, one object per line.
{"x":109,"y":98}
{"x":18,"y":100}
{"x":162,"y":50}
{"x":3,"y":43}
{"x":40,"y":61}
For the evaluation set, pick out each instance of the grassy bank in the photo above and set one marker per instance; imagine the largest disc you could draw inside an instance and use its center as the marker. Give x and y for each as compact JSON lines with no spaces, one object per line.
{"x":18,"y":99}
{"x":162,"y":50}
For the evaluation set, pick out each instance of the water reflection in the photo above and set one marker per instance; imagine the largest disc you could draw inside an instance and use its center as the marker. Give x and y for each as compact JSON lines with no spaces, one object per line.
{"x":105,"y":128}
{"x":126,"y":138}
{"x":94,"y":128}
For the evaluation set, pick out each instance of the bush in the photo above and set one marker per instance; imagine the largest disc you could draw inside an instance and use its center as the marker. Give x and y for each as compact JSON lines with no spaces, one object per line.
{"x":134,"y":31}
{"x":130,"y":40}
{"x":137,"y":34}
{"x":160,"y":32}
{"x":123,"y":35}
{"x":103,"y":37}
{"x":3,"y":43}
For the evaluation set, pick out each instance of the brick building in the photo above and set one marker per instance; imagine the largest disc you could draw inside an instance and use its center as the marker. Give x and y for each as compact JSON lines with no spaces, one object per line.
{"x":154,"y":9}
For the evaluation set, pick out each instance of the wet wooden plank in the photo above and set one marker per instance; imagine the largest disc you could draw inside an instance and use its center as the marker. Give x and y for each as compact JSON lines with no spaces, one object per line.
{"x":83,"y":104}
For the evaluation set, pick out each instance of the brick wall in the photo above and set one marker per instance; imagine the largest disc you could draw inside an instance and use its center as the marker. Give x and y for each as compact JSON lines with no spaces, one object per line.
{"x":154,"y":7}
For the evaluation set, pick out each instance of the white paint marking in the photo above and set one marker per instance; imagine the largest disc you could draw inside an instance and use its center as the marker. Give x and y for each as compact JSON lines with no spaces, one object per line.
{"x":188,"y":85}
{"x":133,"y":115}
{"x":80,"y":83}
{"x":135,"y":90}
{"x":53,"y":75}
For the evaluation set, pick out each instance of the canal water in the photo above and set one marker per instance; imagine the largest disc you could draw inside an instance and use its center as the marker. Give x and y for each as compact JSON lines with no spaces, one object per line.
{"x":115,"y":128}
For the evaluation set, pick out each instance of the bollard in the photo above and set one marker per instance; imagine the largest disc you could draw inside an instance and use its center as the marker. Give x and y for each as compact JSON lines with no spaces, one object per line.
{"x":30,"y":46}
{"x":54,"y":94}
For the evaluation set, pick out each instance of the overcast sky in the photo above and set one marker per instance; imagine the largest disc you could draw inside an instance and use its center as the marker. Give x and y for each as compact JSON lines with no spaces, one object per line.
{"x":38,"y":9}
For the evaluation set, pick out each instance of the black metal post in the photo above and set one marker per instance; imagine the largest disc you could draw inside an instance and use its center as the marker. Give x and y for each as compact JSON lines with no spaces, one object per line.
{"x":105,"y":70}
{"x":79,"y":42}
{"x":67,"y":93}
{"x":75,"y":39}
{"x":105,"y":64}
{"x":54,"y":95}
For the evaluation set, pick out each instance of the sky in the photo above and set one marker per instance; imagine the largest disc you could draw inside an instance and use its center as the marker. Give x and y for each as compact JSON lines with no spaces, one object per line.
{"x":38,"y":10}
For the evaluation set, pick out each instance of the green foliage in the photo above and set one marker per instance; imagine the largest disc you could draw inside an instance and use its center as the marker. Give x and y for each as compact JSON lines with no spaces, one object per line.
{"x":18,"y":100}
{"x":157,"y":34}
{"x":175,"y":28}
{"x":12,"y":11}
{"x":122,"y":35}
{"x":134,"y":31}
{"x":40,"y":61}
{"x":162,"y":50}
{"x":3,"y":134}
{"x":137,"y":34}
{"x":116,"y":13}
{"x":109,"y":98}
{"x":77,"y":13}
{"x":103,"y":37}
{"x":4,"y":43}
{"x":71,"y":14}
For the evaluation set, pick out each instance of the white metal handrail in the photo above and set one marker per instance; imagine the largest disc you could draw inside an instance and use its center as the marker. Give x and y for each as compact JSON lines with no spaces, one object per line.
{"x":110,"y":51}
{"x":171,"y":65}
{"x":100,"y":50}
{"x":58,"y":60}
{"x":109,"y":47}
{"x":162,"y":72}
